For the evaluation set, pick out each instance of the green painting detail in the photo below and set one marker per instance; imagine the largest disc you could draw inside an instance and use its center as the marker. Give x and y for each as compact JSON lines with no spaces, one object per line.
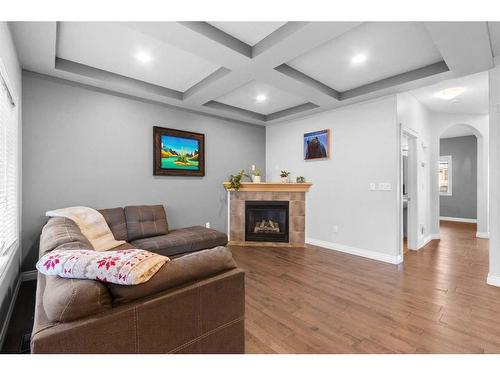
{"x":179,"y":153}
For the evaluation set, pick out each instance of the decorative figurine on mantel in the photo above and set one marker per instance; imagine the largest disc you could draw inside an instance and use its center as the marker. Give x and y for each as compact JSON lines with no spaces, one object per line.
{"x":300,"y":179}
{"x":256,"y":175}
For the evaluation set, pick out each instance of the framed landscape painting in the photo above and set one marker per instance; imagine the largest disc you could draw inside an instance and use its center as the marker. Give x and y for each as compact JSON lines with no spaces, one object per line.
{"x":317,"y":145}
{"x":178,"y":152}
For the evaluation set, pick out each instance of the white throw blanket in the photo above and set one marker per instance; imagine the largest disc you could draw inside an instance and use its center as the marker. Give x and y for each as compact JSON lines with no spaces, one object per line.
{"x":91,"y":223}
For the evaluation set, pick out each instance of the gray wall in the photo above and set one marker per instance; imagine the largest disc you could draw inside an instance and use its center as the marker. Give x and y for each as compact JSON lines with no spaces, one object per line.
{"x":85,"y":147}
{"x":463,"y":202}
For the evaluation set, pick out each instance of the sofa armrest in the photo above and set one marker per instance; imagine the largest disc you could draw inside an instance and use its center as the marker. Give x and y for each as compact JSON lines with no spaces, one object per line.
{"x":183,"y":270}
{"x":65,"y":300}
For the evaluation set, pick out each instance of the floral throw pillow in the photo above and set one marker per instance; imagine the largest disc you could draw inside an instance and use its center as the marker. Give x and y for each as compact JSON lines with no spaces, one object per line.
{"x":126,"y":267}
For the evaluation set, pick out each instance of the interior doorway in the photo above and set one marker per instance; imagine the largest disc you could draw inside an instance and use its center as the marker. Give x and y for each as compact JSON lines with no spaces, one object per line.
{"x":408,"y":191}
{"x":458,"y":175}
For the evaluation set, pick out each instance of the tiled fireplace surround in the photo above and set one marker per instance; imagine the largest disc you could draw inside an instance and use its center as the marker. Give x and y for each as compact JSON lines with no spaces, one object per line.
{"x":296,"y":216}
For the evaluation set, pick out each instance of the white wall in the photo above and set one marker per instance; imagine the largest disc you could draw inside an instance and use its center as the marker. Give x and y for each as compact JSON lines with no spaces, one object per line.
{"x":479,"y":123}
{"x":9,"y":59}
{"x":414,"y":116}
{"x":364,"y":149}
{"x":494,"y":152}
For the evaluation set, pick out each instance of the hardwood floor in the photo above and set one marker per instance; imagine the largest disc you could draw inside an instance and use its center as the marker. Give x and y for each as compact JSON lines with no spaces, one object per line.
{"x":315,"y":300}
{"x":18,"y":334}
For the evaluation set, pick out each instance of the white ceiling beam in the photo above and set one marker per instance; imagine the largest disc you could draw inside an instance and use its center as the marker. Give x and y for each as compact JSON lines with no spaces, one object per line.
{"x":296,"y":87}
{"x":204,"y":93}
{"x":296,"y":38}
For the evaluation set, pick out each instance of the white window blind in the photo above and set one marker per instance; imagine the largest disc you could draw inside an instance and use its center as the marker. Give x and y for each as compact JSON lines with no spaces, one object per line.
{"x":8,"y":169}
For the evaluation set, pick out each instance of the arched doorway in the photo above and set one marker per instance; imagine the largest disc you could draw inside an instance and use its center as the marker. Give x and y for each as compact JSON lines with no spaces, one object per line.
{"x":455,"y":199}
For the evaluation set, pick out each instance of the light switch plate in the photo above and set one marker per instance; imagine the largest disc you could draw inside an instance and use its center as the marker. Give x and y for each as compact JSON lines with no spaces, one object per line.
{"x":385,"y":186}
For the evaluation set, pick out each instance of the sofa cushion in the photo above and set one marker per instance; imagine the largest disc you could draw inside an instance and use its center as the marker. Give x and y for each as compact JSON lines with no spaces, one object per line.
{"x":182,"y":270}
{"x":124,"y":246}
{"x":185,"y":240}
{"x":65,"y":300}
{"x":60,"y":231}
{"x":115,"y":217}
{"x":145,"y":221}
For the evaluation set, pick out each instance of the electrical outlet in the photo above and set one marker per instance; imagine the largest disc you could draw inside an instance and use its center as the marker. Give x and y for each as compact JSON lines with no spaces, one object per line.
{"x":335,"y":229}
{"x":207,"y":224}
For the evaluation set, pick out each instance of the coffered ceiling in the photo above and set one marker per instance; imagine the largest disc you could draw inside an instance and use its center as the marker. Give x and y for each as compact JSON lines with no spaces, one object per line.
{"x":257,"y":72}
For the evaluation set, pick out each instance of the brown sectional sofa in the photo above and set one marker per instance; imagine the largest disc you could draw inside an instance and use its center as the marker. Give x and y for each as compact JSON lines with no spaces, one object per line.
{"x":194,"y":304}
{"x":146,"y":227}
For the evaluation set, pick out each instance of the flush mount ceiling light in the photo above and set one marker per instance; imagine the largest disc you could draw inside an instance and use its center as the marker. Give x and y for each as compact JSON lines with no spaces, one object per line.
{"x":143,"y":57}
{"x":261,"y":98}
{"x":450,"y":93}
{"x":358,"y":59}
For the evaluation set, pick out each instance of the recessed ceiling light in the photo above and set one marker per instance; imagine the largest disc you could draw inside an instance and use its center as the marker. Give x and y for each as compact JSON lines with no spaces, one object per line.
{"x":358,"y":59}
{"x":143,"y":57}
{"x":450,"y":93}
{"x":261,"y":98}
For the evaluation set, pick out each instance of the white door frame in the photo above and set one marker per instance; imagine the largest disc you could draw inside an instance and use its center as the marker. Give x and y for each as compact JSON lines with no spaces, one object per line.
{"x":412,"y":189}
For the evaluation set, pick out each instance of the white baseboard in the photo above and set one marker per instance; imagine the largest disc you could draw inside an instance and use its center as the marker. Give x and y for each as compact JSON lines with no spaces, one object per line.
{"x":6,"y":322}
{"x":458,"y":219}
{"x":483,"y":234}
{"x":29,"y":275}
{"x":425,"y":240}
{"x":493,"y":280}
{"x":393,"y":259}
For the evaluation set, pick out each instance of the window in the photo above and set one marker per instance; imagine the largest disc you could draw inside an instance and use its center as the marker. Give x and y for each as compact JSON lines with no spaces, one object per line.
{"x":9,"y":211}
{"x":445,"y":175}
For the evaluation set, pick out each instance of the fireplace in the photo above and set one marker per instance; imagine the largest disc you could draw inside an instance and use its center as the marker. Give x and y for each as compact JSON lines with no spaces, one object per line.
{"x":266,"y":221}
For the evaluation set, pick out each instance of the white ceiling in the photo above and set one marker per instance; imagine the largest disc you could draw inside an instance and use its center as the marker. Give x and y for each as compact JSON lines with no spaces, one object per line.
{"x":245,"y":98}
{"x":248,"y":32}
{"x":474,"y":100}
{"x":90,"y":43}
{"x":391,"y":48}
{"x":494,"y":30}
{"x":457,"y":131}
{"x":304,"y":66}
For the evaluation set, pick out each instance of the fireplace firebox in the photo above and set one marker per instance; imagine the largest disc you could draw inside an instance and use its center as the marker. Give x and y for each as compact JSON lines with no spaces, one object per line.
{"x":266,"y":221}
